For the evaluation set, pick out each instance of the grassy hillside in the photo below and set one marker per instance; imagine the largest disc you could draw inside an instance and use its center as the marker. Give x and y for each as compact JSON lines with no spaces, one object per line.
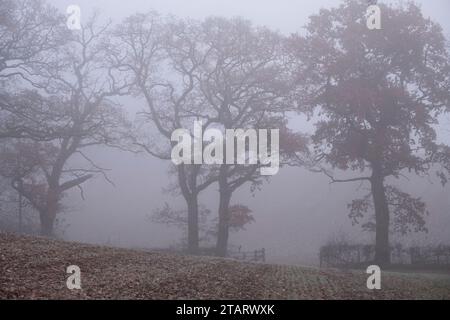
{"x":34,"y":268}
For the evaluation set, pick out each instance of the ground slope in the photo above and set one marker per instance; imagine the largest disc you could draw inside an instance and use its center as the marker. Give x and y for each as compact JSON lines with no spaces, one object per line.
{"x":34,"y":268}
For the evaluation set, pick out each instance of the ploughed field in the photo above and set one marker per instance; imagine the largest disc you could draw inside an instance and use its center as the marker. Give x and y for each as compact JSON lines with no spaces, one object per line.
{"x":35,"y":268}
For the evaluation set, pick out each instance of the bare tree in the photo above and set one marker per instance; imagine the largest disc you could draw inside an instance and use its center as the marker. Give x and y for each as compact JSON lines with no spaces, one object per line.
{"x":80,"y":88}
{"x":30,"y":34}
{"x":14,"y":209}
{"x":244,"y":85}
{"x":225,"y":74}
{"x":163,"y":58}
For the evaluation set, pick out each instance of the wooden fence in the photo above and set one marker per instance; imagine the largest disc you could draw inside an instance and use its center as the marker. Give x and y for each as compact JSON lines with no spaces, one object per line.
{"x":344,"y":255}
{"x":253,"y":256}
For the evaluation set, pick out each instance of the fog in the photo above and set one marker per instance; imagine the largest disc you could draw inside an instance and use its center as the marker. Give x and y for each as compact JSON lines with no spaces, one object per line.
{"x":295,"y":213}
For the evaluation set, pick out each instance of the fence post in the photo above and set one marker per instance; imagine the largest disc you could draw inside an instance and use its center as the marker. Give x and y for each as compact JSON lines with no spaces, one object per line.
{"x":320,"y":257}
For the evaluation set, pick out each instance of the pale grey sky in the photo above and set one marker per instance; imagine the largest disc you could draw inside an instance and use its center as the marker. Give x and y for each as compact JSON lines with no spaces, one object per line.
{"x":284,"y":15}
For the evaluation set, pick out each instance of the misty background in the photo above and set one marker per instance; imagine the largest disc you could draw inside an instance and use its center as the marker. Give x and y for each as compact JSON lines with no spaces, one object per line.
{"x":296,"y":213}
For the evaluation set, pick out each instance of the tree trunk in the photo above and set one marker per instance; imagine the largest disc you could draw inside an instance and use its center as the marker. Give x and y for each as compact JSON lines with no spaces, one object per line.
{"x":20,"y":212}
{"x":46,"y":224}
{"x":193,"y":236}
{"x":224,"y":222}
{"x":190,"y":195}
{"x":48,"y":215}
{"x":224,"y":214}
{"x":382,"y":249}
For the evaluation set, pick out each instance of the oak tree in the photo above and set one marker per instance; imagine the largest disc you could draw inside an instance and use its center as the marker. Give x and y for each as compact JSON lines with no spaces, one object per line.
{"x":377,"y":96}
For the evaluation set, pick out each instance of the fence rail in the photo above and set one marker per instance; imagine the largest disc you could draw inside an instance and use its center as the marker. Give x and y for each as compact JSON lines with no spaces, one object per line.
{"x":345,"y":255}
{"x":253,"y":256}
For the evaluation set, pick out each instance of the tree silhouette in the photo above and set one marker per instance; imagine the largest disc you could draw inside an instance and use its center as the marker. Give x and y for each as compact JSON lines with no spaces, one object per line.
{"x":377,"y":95}
{"x":74,"y":103}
